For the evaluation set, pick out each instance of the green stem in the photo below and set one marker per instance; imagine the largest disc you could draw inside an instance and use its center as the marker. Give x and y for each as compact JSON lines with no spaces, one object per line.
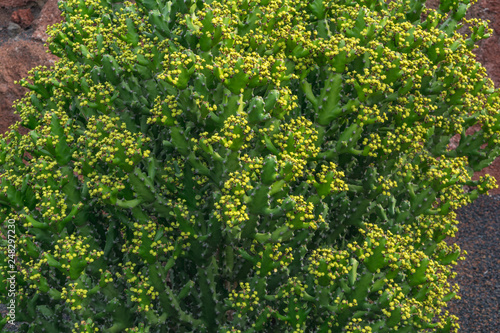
{"x":183,"y":316}
{"x":355,"y":188}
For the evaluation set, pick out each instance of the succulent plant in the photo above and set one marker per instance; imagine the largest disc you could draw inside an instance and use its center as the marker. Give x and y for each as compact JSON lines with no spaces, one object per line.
{"x":246,"y":166}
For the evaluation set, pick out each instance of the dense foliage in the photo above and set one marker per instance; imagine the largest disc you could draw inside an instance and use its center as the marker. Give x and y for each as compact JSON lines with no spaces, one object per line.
{"x":245,"y":166}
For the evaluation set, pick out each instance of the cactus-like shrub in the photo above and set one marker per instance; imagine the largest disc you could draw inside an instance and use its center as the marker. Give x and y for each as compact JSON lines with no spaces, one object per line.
{"x":245,"y":166}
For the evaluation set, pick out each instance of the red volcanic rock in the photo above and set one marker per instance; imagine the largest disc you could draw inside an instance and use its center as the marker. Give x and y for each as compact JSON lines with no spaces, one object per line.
{"x":14,"y":3}
{"x":23,"y":17}
{"x":493,"y":7}
{"x":490,"y":54}
{"x":49,"y":15}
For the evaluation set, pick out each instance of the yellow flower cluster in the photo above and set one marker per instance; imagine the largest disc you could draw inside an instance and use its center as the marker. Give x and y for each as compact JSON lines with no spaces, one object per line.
{"x":303,"y":214}
{"x":294,"y":290}
{"x":236,"y":131}
{"x":404,"y":139}
{"x":113,"y":142}
{"x":355,"y":326}
{"x":182,"y":237}
{"x":231,"y":209}
{"x":297,"y":138}
{"x":245,"y":299}
{"x":279,"y":254}
{"x":233,"y":330}
{"x":430,"y":226}
{"x":99,"y":95}
{"x":52,"y":203}
{"x":139,"y":288}
{"x":283,"y":24}
{"x":397,"y":300}
{"x":451,"y":174}
{"x":330,"y":175}
{"x":144,"y":243}
{"x":99,"y":37}
{"x":178,"y":66}
{"x":293,"y":287}
{"x":401,"y":254}
{"x":32,"y":273}
{"x":327,"y":265}
{"x":85,"y":327}
{"x":173,"y":174}
{"x":106,"y":143}
{"x":142,"y":292}
{"x":74,"y":296}
{"x":71,"y":247}
{"x":253,"y":164}
{"x":285,"y":103}
{"x":297,"y":142}
{"x":386,"y":185}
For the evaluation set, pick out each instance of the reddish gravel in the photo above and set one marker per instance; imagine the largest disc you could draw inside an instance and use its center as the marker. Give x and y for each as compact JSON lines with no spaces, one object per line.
{"x":478,"y":275}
